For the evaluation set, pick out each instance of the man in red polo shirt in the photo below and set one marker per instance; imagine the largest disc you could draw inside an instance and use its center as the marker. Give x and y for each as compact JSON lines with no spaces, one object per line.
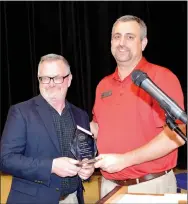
{"x":135,"y":146}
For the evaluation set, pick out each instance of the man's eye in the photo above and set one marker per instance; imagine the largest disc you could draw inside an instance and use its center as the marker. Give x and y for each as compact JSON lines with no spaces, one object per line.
{"x":44,"y":78}
{"x":130,"y":37}
{"x":58,"y":77}
{"x":116,"y":37}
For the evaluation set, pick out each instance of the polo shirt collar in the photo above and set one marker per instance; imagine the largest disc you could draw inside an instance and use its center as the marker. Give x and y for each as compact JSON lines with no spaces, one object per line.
{"x":140,"y":65}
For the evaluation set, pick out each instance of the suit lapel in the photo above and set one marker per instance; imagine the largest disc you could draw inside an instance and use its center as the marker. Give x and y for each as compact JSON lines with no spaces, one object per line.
{"x":74,"y":115}
{"x":77,"y":117}
{"x":44,"y":112}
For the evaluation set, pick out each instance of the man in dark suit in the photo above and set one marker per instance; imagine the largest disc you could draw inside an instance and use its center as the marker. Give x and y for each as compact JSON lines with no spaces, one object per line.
{"x":35,"y":145}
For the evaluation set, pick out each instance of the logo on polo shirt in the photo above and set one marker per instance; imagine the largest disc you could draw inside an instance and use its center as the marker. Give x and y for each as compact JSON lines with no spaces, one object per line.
{"x":106,"y":94}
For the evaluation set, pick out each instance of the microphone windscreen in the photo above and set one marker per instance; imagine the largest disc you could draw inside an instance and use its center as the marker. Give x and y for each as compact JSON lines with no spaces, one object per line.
{"x":138,"y":77}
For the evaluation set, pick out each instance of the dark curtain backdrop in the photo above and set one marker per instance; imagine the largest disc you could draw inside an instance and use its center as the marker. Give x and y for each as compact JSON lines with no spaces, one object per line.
{"x":81,"y":31}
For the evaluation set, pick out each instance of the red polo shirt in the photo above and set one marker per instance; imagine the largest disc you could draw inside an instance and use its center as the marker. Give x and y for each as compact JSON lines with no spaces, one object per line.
{"x":128,"y":117}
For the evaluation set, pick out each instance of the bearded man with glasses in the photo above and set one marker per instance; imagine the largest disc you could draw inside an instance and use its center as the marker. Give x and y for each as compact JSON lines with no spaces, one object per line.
{"x":35,"y":146}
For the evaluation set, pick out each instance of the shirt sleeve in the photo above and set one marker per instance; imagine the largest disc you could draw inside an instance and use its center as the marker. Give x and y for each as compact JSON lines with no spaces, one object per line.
{"x":170,"y":85}
{"x":94,"y":110}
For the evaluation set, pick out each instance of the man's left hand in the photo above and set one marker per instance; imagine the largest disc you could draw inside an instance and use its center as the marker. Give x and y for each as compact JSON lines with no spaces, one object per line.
{"x":86,"y":170}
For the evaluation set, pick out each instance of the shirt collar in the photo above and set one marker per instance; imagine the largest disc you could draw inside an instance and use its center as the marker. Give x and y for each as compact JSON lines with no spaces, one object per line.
{"x":66,"y":108}
{"x":140,"y":66}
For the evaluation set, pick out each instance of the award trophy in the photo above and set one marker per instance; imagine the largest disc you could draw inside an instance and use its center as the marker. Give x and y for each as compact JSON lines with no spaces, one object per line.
{"x":83,"y":145}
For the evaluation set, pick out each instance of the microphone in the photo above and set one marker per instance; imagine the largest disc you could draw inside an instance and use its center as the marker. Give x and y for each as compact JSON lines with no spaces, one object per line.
{"x":142,"y":80}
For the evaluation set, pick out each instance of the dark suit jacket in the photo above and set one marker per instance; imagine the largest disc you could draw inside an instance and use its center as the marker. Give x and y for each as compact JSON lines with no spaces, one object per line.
{"x":28,"y":146}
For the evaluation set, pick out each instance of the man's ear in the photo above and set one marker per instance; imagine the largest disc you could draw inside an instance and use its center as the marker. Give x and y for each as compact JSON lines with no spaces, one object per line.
{"x":69,"y":80}
{"x":144,"y":43}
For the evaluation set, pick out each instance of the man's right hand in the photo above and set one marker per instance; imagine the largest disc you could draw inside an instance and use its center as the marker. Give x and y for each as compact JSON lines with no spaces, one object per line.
{"x":65,"y":166}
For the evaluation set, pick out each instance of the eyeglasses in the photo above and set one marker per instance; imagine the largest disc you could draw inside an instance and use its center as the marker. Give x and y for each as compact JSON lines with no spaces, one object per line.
{"x":56,"y":79}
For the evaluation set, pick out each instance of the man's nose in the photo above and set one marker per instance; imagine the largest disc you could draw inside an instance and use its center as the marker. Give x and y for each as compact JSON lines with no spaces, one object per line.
{"x":122,"y":41}
{"x":51,"y":84}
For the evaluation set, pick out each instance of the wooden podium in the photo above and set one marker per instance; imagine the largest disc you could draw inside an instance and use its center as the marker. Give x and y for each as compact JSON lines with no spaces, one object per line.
{"x":118,"y":192}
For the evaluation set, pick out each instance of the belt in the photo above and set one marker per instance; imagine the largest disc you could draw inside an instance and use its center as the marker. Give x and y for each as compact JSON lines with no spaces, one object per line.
{"x":147,"y":177}
{"x":63,"y":197}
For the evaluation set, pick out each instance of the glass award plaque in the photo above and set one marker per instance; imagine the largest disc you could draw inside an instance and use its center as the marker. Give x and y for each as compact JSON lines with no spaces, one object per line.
{"x":83,"y":145}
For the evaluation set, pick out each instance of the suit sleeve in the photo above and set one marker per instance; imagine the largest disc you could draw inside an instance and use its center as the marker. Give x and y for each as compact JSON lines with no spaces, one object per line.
{"x":13,"y":145}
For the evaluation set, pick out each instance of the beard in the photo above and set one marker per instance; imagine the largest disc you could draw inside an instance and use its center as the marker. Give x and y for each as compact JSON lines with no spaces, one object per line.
{"x":123,"y":57}
{"x":53,"y":94}
{"x":122,"y":54}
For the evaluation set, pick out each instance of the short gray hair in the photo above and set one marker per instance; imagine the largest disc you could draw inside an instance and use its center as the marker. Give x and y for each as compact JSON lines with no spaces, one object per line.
{"x":141,"y":23}
{"x":54,"y":57}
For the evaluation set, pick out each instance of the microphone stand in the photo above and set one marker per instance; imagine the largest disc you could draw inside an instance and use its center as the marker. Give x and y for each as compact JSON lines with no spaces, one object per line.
{"x":170,"y":120}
